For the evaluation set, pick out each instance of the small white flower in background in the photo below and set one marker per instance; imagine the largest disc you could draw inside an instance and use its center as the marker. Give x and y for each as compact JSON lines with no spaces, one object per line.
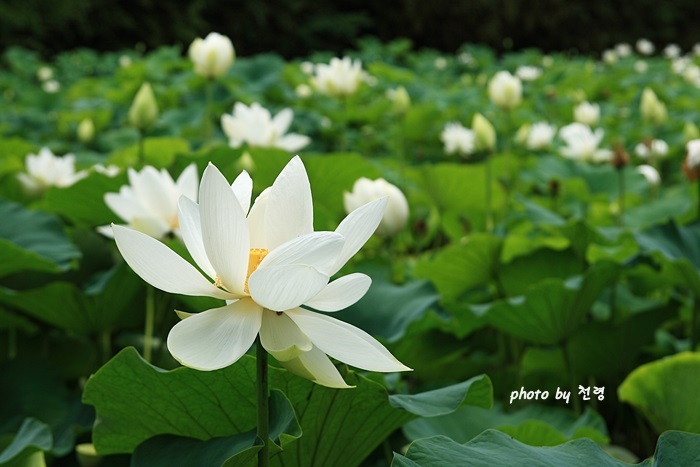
{"x":212,"y":56}
{"x":51,"y":86}
{"x":640,"y":66}
{"x":528,"y":73}
{"x":651,"y":108}
{"x":303,"y":90}
{"x":255,"y":126}
{"x":610,"y":56}
{"x":400,"y":99}
{"x":582,"y":143}
{"x":587,"y":113}
{"x":653,"y":149}
{"x":623,"y":50}
{"x":45,"y":170}
{"x":266,"y":262}
{"x":650,"y":173}
{"x":693,"y":157}
{"x":307,"y":67}
{"x":484,"y":133}
{"x":696,"y":49}
{"x":522,"y":134}
{"x":341,"y":77}
{"x":505,"y":90}
{"x":365,"y":191}
{"x":125,"y":61}
{"x":457,"y":139}
{"x":149,"y":203}
{"x":109,"y":171}
{"x":691,"y":74}
{"x":44,"y":73}
{"x":86,"y":130}
{"x":645,"y":47}
{"x":540,"y":135}
{"x":672,"y":51}
{"x":465,"y":58}
{"x":678,"y":65}
{"x":370,"y":80}
{"x":440,"y":63}
{"x":547,"y":61}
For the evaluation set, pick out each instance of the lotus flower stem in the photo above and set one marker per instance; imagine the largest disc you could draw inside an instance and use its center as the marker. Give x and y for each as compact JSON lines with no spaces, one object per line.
{"x":694,"y":323}
{"x":142,"y":152}
{"x":572,"y":381}
{"x":489,"y":213}
{"x":698,"y":185}
{"x":263,"y":407}
{"x":11,"y":343}
{"x":149,"y":324}
{"x":343,"y":138}
{"x":621,"y":196}
{"x":208,"y":129}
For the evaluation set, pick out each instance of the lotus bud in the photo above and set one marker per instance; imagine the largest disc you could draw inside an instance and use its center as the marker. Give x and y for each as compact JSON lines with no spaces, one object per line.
{"x":87,"y":455}
{"x":365,"y":190}
{"x":691,"y":164}
{"x":400,"y":99}
{"x":505,"y":90}
{"x":587,"y":113}
{"x":86,"y":130}
{"x":690,"y":132}
{"x":212,"y":56}
{"x":144,"y":110}
{"x":652,"y":109}
{"x":245,"y":162}
{"x":484,"y":134}
{"x":522,"y":134}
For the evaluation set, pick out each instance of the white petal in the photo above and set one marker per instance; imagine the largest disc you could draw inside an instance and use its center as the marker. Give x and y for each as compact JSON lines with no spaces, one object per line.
{"x":155,"y":191}
{"x":151,"y":226}
{"x":317,"y":367}
{"x":191,"y":231}
{"x":293,"y":142}
{"x":282,"y":121}
{"x":188,"y":182}
{"x":289,"y":212}
{"x":317,"y":249}
{"x":341,"y":293}
{"x":215,"y":338}
{"x":242,"y":187}
{"x":124,"y":205}
{"x":281,"y":337}
{"x":224,"y":230}
{"x":256,"y":221}
{"x":345,"y":342}
{"x":162,"y":267}
{"x":357,"y":227}
{"x":280,"y":288}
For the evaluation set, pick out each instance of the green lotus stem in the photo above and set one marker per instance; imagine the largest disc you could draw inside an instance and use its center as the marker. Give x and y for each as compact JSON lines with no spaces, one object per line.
{"x":572,"y":381}
{"x":489,"y":213}
{"x":263,"y":407}
{"x":208,"y":128}
{"x":694,"y":323}
{"x":342,"y":145}
{"x":11,"y":343}
{"x":142,"y":152}
{"x":621,"y":196}
{"x":698,"y":185}
{"x":149,"y":324}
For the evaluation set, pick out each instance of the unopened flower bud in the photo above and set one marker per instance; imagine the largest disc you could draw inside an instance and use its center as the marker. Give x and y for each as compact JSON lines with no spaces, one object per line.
{"x":86,"y":130}
{"x":620,"y":158}
{"x":144,"y":110}
{"x":691,"y":164}
{"x":652,"y":109}
{"x":212,"y":56}
{"x":400,"y":99}
{"x":690,"y":132}
{"x":484,"y":134}
{"x":365,"y":190}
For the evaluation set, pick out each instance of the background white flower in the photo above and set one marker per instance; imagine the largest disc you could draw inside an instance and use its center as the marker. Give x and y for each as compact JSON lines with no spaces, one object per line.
{"x":149,"y":203}
{"x":650,"y":173}
{"x":645,"y":47}
{"x":582,"y":143}
{"x":540,"y":135}
{"x":457,"y":139}
{"x":341,"y":77}
{"x":212,"y":56}
{"x":693,"y":158}
{"x":528,"y":73}
{"x":255,"y":125}
{"x":365,"y":190}
{"x":265,"y":261}
{"x":505,"y":90}
{"x":587,"y":113}
{"x":655,"y":148}
{"x":45,"y":170}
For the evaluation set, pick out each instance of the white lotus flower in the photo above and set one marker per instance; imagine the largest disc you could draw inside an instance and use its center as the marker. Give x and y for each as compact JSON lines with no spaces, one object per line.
{"x":265,"y":265}
{"x":672,"y":51}
{"x":582,"y":143}
{"x":609,"y":56}
{"x":341,"y":77}
{"x":650,"y":173}
{"x":653,"y":149}
{"x":645,"y":47}
{"x":505,"y":90}
{"x":693,"y":157}
{"x":540,"y":135}
{"x":528,"y":73}
{"x":254,"y":125}
{"x":587,"y":113}
{"x":149,"y":203}
{"x":44,"y":73}
{"x":457,"y":139}
{"x":623,"y":50}
{"x":51,"y":86}
{"x":212,"y":56}
{"x":365,"y":190}
{"x":45,"y":170}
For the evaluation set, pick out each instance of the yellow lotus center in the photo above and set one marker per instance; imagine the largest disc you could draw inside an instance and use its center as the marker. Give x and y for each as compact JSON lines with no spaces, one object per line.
{"x":254,"y":260}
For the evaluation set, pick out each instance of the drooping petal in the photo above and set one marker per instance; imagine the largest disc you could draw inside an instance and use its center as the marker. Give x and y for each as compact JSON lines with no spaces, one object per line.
{"x":357,"y":227}
{"x":191,"y":231}
{"x":224,"y":230}
{"x":242,"y":187}
{"x":162,"y":267}
{"x":289,"y":211}
{"x":281,"y":288}
{"x":216,"y":338}
{"x":317,"y":367}
{"x":345,"y":342}
{"x":341,"y":293}
{"x":188,"y":182}
{"x":281,"y":337}
{"x":317,"y":249}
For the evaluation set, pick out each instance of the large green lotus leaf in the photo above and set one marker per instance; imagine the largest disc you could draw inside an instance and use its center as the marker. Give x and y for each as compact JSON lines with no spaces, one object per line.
{"x":158,"y":151}
{"x":105,"y":306}
{"x":83,"y":203}
{"x":524,"y":272}
{"x":551,"y":310}
{"x":387,"y":309}
{"x":674,"y":202}
{"x":677,"y":448}
{"x":458,"y":268}
{"x":205,"y":405}
{"x":498,"y":449}
{"x":33,"y":437}
{"x":666,"y":392}
{"x":673,"y":241}
{"x":536,"y":425}
{"x":170,"y":450}
{"x":33,"y":240}
{"x":12,"y":153}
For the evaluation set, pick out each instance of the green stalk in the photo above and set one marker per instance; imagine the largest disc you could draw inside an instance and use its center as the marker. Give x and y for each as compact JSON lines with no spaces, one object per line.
{"x":572,"y":381}
{"x":621,"y":196}
{"x":698,"y":185}
{"x":694,"y":323}
{"x":208,"y":128}
{"x":11,"y":343}
{"x":489,"y":213}
{"x":149,"y":324}
{"x":263,"y":407}
{"x":344,"y":123}
{"x":142,"y":152}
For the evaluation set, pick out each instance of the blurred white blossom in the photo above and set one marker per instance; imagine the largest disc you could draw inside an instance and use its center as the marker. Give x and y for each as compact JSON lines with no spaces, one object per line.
{"x":645,"y":47}
{"x":672,"y":51}
{"x":255,"y":126}
{"x":540,"y":135}
{"x":45,"y":170}
{"x":457,"y":139}
{"x":44,"y":73}
{"x":365,"y":191}
{"x":51,"y":86}
{"x":505,"y":90}
{"x":212,"y":56}
{"x":623,"y":50}
{"x":653,"y":149}
{"x":640,"y":66}
{"x":528,"y":73}
{"x":582,"y":143}
{"x":341,"y":77}
{"x":587,"y":113}
{"x":693,"y":157}
{"x":650,"y":173}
